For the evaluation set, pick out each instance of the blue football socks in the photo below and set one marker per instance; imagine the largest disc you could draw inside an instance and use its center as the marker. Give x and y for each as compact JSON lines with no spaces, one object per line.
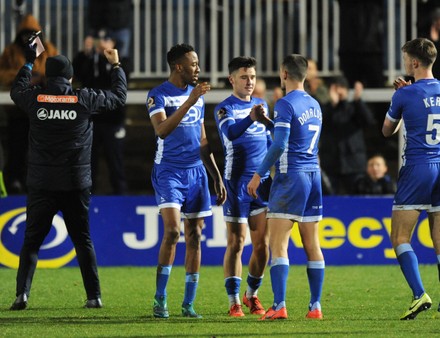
{"x":254,"y":284}
{"x":279,"y":272}
{"x":232,"y":285}
{"x":315,"y":275}
{"x":410,"y":268}
{"x":191,"y":283}
{"x":162,"y":276}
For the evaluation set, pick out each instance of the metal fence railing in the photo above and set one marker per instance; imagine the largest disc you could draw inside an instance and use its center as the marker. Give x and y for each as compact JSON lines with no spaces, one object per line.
{"x":219,"y":30}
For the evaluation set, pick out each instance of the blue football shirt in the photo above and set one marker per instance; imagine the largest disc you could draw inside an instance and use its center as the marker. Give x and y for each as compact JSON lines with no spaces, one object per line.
{"x":419,"y":106}
{"x":182,"y":147}
{"x":243,"y":154}
{"x":300,"y":116}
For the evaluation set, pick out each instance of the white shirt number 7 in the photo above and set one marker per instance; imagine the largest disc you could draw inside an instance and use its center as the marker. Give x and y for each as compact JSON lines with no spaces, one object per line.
{"x":315,"y":129}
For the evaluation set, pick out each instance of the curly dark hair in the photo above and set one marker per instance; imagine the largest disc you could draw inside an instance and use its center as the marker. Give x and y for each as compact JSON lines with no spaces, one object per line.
{"x":176,"y":52}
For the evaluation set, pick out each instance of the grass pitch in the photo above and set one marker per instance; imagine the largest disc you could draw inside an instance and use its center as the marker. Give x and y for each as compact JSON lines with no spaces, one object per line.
{"x":358,"y":301}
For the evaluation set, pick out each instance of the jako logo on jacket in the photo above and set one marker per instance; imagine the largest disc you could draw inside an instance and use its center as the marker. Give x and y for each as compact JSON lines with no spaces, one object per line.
{"x":44,"y":114}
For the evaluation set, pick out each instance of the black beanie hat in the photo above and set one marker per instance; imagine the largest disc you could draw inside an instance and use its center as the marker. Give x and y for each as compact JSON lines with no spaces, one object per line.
{"x":59,"y":66}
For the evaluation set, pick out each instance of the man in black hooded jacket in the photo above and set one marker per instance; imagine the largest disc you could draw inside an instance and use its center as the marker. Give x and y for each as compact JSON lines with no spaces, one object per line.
{"x":59,"y":174}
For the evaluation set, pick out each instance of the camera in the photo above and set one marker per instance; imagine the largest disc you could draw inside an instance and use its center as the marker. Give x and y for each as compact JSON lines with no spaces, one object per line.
{"x":33,"y":37}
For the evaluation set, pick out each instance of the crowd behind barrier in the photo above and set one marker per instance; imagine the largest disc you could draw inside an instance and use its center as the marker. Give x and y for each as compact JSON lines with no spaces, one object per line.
{"x":221,"y":31}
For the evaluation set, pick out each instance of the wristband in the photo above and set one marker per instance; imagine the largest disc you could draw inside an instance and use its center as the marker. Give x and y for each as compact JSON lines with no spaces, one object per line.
{"x":116,"y":65}
{"x":29,"y":65}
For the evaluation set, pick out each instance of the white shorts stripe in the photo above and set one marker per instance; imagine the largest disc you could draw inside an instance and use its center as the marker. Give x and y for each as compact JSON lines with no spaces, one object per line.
{"x":294,"y":217}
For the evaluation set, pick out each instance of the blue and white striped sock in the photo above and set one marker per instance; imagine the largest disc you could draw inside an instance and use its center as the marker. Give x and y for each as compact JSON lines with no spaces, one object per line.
{"x":162,"y":276}
{"x":191,"y":284}
{"x":315,"y":275}
{"x":409,"y":265}
{"x":279,"y":272}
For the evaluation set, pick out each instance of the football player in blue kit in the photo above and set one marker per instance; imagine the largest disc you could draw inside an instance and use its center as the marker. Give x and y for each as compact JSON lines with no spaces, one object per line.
{"x":418,"y":187}
{"x":241,"y":120}
{"x":296,"y":194}
{"x":176,"y":109}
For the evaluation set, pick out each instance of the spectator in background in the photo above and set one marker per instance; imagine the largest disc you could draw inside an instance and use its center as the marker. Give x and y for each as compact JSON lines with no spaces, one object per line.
{"x":375,"y":181}
{"x":314,"y":84}
{"x":113,"y":18}
{"x":361,"y":41}
{"x":92,"y":70}
{"x":11,"y":61}
{"x":260,"y":89}
{"x":278,"y":93}
{"x":342,"y":147}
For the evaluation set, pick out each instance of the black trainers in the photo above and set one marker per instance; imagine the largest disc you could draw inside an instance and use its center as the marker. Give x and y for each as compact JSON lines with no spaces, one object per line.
{"x":20,"y":303}
{"x":93,"y":303}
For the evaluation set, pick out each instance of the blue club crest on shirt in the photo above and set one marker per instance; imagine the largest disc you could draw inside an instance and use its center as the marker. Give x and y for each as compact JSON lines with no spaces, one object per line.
{"x":192,"y":116}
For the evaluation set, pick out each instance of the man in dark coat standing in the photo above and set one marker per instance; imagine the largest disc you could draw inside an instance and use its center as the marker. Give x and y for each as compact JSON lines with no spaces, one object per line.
{"x":59,"y":178}
{"x":343,"y":151}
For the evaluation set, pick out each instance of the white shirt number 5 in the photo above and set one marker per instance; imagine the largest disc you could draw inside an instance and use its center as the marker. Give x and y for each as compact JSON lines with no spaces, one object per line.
{"x":433,"y":129}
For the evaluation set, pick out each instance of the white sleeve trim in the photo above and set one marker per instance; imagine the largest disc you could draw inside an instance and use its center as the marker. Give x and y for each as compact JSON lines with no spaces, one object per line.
{"x":282,"y":124}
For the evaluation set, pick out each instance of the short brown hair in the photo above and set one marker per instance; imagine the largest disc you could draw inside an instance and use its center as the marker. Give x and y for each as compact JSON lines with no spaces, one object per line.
{"x":296,"y":66}
{"x":421,"y":49}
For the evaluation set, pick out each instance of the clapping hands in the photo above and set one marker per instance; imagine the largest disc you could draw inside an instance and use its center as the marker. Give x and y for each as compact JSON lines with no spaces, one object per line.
{"x":258,"y":114}
{"x":400,"y":82}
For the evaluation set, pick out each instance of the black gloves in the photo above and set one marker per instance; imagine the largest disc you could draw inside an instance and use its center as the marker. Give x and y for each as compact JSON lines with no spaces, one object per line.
{"x":30,"y":53}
